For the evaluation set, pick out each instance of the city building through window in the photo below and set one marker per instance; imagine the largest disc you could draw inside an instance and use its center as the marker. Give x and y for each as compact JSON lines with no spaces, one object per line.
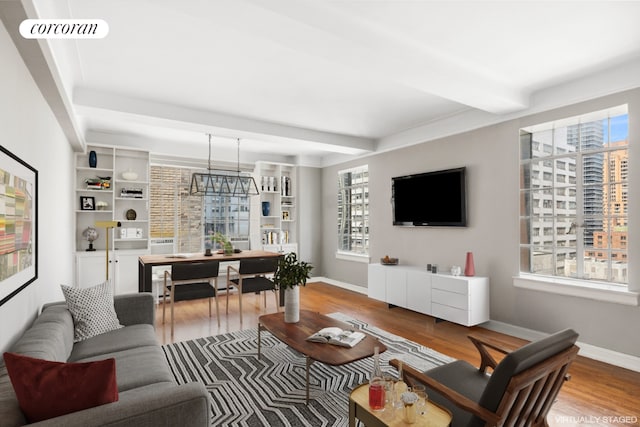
{"x":190,"y":220}
{"x":574,"y":192}
{"x":353,"y":211}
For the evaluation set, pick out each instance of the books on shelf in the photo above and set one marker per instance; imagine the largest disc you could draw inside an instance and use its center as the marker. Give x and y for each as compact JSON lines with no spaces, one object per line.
{"x":131,"y":193}
{"x":337,"y":336}
{"x":285,"y":186}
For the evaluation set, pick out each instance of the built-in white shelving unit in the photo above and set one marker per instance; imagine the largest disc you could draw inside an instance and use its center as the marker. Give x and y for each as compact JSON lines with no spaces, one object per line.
{"x":278,"y":220}
{"x":115,"y":189}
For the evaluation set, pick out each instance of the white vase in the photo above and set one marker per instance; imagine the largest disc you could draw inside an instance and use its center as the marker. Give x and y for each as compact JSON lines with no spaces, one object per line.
{"x":292,"y":305}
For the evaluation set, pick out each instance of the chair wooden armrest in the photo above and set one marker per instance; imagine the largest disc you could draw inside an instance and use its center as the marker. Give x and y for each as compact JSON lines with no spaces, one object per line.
{"x":453,"y":396}
{"x":485,"y":343}
{"x":231,"y":268}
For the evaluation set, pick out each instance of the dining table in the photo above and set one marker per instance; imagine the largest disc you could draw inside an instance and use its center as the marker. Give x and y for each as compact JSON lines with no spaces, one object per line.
{"x":147,"y":262}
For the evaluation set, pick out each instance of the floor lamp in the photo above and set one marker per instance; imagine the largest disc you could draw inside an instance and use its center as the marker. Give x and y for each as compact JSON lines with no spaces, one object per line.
{"x":107,"y":225}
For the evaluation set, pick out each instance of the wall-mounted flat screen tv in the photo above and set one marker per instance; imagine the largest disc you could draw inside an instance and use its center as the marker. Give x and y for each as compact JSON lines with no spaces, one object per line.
{"x":436,"y":199}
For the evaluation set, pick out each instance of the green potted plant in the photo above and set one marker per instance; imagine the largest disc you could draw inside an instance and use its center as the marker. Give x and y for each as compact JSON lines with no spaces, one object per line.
{"x":224,"y":243}
{"x":291,"y":274}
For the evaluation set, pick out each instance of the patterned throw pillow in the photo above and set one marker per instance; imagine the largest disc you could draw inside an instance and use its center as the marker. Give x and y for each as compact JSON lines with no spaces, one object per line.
{"x":92,"y":310}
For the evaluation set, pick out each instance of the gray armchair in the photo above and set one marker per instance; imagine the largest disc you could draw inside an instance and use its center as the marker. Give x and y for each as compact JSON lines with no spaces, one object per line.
{"x":520,"y":391}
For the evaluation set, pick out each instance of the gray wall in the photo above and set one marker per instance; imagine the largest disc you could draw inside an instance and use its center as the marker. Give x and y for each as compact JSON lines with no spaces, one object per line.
{"x":491,"y":157}
{"x":29,"y":130}
{"x":309,"y":217}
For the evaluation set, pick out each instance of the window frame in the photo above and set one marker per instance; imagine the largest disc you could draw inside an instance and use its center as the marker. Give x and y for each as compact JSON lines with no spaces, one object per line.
{"x":611,"y":291}
{"x":198,"y":218}
{"x":344,"y":204}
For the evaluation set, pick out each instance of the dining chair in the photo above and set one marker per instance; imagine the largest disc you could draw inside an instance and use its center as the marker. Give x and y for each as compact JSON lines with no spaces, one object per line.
{"x":200,"y":277}
{"x":252,"y":276}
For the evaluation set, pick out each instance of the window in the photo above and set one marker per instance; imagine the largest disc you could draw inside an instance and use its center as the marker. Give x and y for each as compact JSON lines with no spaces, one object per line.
{"x":585,"y":194}
{"x":353,"y":211}
{"x":189,"y":219}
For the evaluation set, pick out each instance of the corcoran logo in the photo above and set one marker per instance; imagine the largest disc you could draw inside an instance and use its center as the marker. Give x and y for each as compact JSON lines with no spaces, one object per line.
{"x":64,"y":29}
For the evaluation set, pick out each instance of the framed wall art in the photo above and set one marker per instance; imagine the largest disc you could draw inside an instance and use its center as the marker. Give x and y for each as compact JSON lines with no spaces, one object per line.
{"x":87,"y":203}
{"x":18,"y":225}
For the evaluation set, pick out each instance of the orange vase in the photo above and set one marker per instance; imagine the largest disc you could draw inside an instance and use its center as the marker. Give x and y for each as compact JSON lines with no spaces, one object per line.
{"x":469,"y":269}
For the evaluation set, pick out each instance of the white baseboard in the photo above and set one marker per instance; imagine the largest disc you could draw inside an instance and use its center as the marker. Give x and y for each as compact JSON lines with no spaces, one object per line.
{"x":344,"y":285}
{"x":611,"y":357}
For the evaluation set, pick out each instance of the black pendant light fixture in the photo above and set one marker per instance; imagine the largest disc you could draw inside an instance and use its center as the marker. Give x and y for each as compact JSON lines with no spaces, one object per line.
{"x":222,"y":184}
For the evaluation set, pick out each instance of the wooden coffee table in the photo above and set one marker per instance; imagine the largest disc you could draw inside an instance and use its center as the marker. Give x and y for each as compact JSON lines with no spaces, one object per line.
{"x":295,"y":336}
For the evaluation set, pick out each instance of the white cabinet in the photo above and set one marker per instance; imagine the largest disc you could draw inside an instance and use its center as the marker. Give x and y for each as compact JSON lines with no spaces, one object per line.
{"x":377,"y":286}
{"x":126,"y":272}
{"x":458,"y":299}
{"x":463,"y":300}
{"x":276,"y":182}
{"x":403,"y":286}
{"x":91,"y":269}
{"x":396,"y":284}
{"x":419,"y":291}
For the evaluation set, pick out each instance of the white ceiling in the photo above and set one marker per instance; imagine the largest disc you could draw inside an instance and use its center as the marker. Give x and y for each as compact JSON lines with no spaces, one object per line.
{"x":316,"y":82}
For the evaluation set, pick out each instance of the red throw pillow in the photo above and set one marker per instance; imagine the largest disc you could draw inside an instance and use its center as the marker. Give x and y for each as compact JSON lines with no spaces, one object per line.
{"x":47,"y":389}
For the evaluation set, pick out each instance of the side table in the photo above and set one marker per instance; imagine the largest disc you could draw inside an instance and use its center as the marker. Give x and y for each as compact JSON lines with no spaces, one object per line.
{"x":434,"y":416}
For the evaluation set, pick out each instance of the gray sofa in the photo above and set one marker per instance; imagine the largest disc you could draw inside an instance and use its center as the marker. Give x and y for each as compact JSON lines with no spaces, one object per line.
{"x":148,"y":393}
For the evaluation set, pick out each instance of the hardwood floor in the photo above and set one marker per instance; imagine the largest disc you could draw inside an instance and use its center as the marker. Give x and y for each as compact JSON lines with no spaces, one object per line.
{"x":598,"y":394}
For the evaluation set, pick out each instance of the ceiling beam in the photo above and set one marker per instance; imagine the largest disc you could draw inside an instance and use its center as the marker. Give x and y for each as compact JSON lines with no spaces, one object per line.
{"x":38,"y":58}
{"x":201,"y":122}
{"x":325,"y":32}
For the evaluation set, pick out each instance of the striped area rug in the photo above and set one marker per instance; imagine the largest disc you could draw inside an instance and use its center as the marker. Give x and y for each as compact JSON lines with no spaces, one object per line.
{"x":270,"y":392}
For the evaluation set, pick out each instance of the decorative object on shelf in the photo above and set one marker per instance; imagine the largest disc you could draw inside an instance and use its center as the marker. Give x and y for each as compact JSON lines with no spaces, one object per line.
{"x":102,"y":205}
{"x":99,"y":183}
{"x":131,"y":233}
{"x":285,"y":186}
{"x":291,"y":273}
{"x":131,"y":215}
{"x":266,"y":208}
{"x":456,"y":270}
{"x":131,"y":193}
{"x":221,"y":239}
{"x":93,"y":159}
{"x":91,"y":235}
{"x":217,"y":184}
{"x":207,"y":247}
{"x":388,"y":260}
{"x":129,"y":175}
{"x":285,"y":215}
{"x":87,"y":203}
{"x":469,"y":268}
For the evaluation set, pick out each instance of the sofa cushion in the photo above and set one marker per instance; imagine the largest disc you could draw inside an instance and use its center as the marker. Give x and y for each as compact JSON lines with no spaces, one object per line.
{"x":48,"y":389}
{"x":50,"y":337}
{"x":10,"y":412}
{"x":120,"y":339}
{"x":92,"y":310}
{"x":138,"y":367}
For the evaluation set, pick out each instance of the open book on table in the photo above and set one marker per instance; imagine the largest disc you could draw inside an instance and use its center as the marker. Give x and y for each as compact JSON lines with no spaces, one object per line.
{"x":337,"y":336}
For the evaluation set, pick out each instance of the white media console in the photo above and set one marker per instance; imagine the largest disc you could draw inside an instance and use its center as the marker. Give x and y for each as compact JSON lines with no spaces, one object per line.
{"x":459,"y":299}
